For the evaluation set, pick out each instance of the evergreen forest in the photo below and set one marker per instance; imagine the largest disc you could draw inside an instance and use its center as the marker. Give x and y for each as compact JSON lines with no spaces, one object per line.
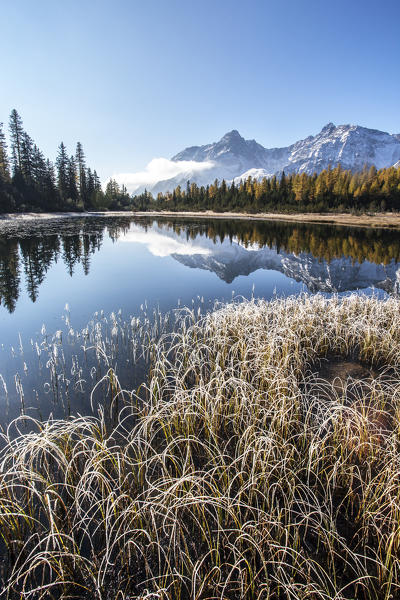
{"x":31,"y":182}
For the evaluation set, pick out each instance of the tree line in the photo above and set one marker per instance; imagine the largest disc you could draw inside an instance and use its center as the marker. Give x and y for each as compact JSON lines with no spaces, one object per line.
{"x":31,"y":182}
{"x":331,"y":190}
{"x":325,"y":242}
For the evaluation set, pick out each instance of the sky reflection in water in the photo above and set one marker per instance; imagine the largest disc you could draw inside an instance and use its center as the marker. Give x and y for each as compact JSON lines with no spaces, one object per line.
{"x":95,"y":264}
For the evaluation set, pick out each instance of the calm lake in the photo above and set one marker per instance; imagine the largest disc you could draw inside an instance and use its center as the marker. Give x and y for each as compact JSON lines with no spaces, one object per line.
{"x":58,"y":275}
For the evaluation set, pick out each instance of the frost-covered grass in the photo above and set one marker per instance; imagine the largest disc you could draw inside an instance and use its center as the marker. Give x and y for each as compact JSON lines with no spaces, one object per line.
{"x":233,"y":472}
{"x":55,"y":373}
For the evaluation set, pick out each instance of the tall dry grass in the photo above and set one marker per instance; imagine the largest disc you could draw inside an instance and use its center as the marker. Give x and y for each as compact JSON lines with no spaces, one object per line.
{"x":234,"y":472}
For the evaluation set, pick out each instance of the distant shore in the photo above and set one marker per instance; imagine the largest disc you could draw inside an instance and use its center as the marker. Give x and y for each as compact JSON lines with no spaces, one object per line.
{"x":389,"y":220}
{"x":386,"y":220}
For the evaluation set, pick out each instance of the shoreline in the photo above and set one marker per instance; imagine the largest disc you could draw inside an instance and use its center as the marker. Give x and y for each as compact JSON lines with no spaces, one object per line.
{"x":383,"y":220}
{"x":5,"y":217}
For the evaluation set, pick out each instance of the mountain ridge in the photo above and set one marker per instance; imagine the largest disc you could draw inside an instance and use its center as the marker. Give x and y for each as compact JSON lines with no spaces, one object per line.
{"x":235,"y":158}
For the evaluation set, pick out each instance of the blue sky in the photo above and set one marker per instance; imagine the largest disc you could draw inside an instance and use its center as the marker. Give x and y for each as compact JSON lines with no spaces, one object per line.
{"x":136,"y":80}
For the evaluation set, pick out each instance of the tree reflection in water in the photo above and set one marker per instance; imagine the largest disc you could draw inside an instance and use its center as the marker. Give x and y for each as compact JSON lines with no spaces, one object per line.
{"x":32,"y":248}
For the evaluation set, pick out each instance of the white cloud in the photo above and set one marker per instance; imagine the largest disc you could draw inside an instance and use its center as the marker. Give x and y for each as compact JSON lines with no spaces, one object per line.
{"x":163,"y":245}
{"x":160,"y":169}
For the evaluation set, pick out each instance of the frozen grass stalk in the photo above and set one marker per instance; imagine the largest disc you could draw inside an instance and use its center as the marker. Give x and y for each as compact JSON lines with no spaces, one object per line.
{"x":235,"y":471}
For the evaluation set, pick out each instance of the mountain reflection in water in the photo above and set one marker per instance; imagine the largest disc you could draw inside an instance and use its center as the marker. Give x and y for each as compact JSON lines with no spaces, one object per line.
{"x":324,"y":258}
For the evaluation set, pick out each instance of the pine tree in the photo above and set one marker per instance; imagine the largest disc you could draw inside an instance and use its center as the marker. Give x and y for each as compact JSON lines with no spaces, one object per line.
{"x":62,"y":163}
{"x":283,"y":188}
{"x":38,"y":170}
{"x":4,"y":165}
{"x":90,"y":189}
{"x":113,"y":191}
{"x":7,"y":199}
{"x":50,"y":176}
{"x":98,"y":199}
{"x":81,"y":170}
{"x":26,"y":158}
{"x":72,"y":176}
{"x":16,"y":134}
{"x":97,"y":183}
{"x":50,"y":189}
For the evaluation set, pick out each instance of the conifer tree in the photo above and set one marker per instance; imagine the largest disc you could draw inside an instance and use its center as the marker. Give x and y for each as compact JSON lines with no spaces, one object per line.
{"x":26,"y":157}
{"x":16,"y":134}
{"x":4,"y":165}
{"x":81,"y":171}
{"x":38,"y":170}
{"x":112,"y":190}
{"x":72,"y":176}
{"x":51,"y":192}
{"x":62,"y":163}
{"x":89,"y":186}
{"x":6,"y":191}
{"x":97,"y":184}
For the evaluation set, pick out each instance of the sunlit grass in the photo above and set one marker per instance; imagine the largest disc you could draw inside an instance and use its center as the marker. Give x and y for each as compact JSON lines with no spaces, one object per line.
{"x":234,"y":471}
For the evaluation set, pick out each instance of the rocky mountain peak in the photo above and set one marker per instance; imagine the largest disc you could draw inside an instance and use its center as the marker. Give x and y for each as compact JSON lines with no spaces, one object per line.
{"x":232,"y":136}
{"x":328,"y":128}
{"x":235,"y":158}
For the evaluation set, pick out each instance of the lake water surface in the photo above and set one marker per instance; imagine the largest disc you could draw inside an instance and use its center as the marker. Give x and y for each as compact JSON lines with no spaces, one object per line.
{"x":56,"y":274}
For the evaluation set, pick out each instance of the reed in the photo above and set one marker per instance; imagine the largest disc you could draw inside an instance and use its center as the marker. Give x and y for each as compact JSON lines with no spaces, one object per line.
{"x":236,"y":470}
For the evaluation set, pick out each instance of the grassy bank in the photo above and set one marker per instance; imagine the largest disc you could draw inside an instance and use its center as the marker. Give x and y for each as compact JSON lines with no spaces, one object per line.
{"x":382,"y":219}
{"x":260,"y":460}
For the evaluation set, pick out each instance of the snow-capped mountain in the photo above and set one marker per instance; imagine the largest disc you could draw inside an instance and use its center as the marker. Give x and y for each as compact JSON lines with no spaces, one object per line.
{"x":233,"y":157}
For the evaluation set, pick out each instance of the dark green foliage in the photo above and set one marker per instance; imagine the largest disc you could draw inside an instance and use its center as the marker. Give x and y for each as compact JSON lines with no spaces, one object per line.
{"x":16,"y":134}
{"x":71,"y":181}
{"x":9,"y":273}
{"x":4,"y":164}
{"x":62,"y":171}
{"x":36,"y":185}
{"x":117,"y":197}
{"x":6,"y":196}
